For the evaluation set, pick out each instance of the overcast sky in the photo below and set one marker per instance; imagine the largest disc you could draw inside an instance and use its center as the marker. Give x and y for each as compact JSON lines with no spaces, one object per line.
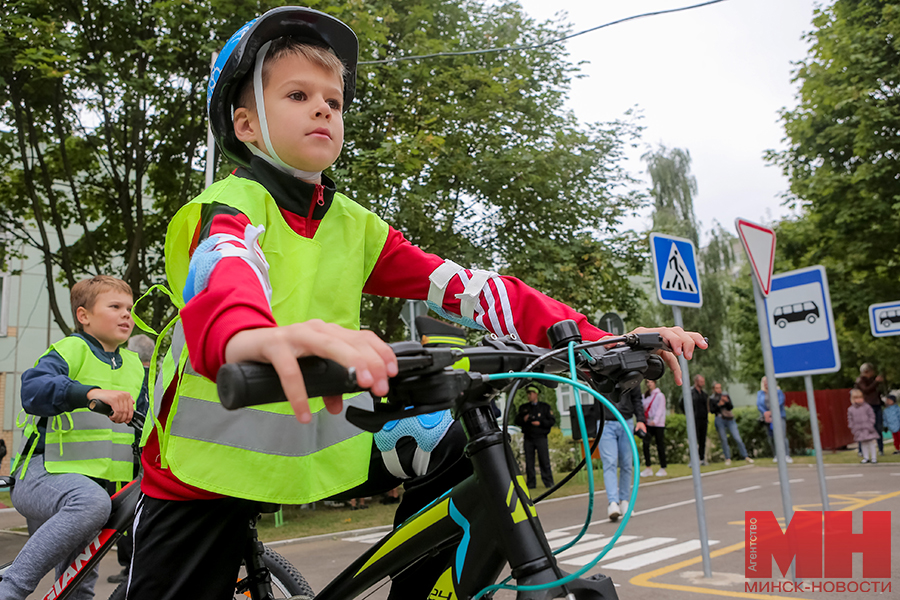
{"x":710,"y":80}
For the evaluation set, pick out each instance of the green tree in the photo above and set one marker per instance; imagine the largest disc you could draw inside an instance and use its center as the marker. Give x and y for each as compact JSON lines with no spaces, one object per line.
{"x":476,"y":158}
{"x":673,"y":188}
{"x":844,"y":139}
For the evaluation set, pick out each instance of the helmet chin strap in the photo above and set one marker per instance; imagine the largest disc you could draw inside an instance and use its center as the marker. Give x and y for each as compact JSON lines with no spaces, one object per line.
{"x":270,"y":156}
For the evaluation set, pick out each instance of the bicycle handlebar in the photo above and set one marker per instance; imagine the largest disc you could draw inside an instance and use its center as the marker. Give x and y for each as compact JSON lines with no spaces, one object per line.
{"x":101,"y":407}
{"x":432,"y":378}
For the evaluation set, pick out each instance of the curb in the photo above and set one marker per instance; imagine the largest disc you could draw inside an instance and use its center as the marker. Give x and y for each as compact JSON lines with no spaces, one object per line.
{"x":652,"y":483}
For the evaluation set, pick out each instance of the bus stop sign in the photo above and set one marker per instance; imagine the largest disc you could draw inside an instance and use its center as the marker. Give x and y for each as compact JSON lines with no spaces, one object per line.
{"x":885,"y":319}
{"x":801,"y":326}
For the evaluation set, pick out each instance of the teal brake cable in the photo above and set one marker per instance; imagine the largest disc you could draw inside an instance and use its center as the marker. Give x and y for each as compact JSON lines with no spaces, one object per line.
{"x":635,"y":461}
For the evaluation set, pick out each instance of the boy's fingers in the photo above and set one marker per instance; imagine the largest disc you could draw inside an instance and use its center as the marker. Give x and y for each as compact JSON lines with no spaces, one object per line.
{"x":285,"y":364}
{"x":672,"y":361}
{"x":334,"y":404}
{"x":377,"y":360}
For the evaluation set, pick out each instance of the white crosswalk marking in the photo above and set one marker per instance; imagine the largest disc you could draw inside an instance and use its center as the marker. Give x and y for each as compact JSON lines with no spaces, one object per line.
{"x":595,"y":546}
{"x":560,"y":542}
{"x":556,"y":533}
{"x":642,"y":560}
{"x":619,"y":551}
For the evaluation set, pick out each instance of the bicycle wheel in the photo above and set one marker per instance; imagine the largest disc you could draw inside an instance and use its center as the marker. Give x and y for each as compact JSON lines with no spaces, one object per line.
{"x":287,"y":581}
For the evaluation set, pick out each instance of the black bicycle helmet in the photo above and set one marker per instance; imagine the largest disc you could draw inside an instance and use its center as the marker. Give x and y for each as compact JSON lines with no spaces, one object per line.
{"x":238,"y":58}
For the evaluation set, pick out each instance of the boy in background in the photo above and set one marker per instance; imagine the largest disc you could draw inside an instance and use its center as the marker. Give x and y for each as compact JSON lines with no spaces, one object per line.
{"x":61,"y":481}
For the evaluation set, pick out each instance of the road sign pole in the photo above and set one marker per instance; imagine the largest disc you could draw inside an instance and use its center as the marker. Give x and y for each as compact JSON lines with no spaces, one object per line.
{"x":693,"y":452}
{"x":777,"y":426}
{"x":817,"y":441}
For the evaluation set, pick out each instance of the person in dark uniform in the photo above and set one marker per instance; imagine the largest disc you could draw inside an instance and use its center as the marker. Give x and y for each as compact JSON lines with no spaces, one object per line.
{"x":701,"y":414}
{"x":536,"y":418}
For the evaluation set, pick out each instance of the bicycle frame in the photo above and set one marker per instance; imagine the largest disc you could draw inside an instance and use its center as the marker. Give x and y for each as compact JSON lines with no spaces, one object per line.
{"x":484,"y":517}
{"x":121,"y":516}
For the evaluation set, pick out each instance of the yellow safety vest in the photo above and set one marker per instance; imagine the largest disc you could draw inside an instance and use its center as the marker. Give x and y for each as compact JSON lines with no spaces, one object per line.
{"x":82,"y":441}
{"x":263,"y":453}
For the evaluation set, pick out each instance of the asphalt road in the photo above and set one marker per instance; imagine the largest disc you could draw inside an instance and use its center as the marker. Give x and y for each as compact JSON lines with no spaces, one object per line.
{"x":661,"y":556}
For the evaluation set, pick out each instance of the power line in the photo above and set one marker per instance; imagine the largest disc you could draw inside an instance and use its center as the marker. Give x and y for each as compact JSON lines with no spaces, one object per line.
{"x":542,"y":44}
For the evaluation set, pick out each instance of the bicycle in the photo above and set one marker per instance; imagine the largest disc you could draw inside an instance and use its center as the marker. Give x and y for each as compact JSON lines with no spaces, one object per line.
{"x":265,"y":574}
{"x":489,"y":517}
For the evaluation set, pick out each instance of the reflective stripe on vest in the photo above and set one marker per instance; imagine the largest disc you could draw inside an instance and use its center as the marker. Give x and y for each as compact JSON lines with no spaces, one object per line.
{"x":206,"y":421}
{"x":85,"y":442}
{"x":264,"y":453}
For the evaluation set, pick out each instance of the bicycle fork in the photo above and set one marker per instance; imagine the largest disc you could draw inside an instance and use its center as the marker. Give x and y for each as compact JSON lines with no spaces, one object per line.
{"x":521,"y":536}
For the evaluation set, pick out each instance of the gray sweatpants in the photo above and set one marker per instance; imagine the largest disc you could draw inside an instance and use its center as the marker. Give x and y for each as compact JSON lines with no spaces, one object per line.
{"x":64,"y":511}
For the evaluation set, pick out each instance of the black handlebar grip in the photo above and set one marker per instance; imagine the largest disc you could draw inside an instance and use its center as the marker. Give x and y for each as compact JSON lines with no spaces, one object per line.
{"x":100,"y":407}
{"x":252,"y":384}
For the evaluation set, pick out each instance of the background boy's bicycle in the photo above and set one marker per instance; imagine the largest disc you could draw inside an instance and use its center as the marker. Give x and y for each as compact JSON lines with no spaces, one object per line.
{"x":489,"y":518}
{"x":265,"y":575}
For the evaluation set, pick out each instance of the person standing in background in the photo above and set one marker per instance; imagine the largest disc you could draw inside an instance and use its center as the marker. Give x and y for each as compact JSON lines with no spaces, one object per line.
{"x":536,"y":418}
{"x":720,"y":405}
{"x":892,"y":419}
{"x":762,"y":405}
{"x":701,"y":414}
{"x":615,"y":449}
{"x":655,"y":412}
{"x":861,"y":421}
{"x":869,"y":383}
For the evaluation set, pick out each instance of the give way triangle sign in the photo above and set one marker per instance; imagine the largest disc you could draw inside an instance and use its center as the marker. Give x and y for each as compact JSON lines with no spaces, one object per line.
{"x":759,"y":243}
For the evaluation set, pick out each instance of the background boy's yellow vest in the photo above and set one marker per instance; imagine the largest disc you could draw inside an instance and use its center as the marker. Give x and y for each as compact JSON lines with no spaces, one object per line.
{"x":263,"y":453}
{"x":85,"y":442}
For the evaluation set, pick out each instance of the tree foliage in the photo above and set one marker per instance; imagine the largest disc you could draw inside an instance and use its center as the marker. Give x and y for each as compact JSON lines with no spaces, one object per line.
{"x":673,"y":188}
{"x":475,"y":158}
{"x":844,"y":144}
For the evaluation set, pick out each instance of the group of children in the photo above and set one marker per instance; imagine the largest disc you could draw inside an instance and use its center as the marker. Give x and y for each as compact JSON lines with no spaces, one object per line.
{"x":267,"y":265}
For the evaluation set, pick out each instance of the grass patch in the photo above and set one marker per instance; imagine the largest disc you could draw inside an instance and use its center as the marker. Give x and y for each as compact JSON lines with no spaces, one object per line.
{"x":841,"y":457}
{"x":299,"y":522}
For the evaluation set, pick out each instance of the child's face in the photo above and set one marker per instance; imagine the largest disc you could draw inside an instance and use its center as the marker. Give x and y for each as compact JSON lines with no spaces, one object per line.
{"x":303,"y":111}
{"x":856,"y":398}
{"x":109,"y":320}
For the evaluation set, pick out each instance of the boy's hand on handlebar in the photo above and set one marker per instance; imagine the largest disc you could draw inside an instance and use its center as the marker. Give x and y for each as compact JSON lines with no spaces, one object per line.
{"x":121,"y":403}
{"x":282,"y":346}
{"x":680,"y":341}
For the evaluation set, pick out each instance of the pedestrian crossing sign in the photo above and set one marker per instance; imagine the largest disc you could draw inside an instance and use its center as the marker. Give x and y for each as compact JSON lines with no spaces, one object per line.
{"x":675,"y":270}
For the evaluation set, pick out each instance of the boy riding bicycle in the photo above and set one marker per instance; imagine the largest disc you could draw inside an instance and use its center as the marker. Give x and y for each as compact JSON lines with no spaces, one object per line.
{"x":271,"y":263}
{"x":69,"y":453}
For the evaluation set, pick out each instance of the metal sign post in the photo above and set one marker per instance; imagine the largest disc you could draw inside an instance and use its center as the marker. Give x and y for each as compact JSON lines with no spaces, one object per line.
{"x":693,"y":452}
{"x":210,"y":141}
{"x":678,"y":284}
{"x":777,"y":426}
{"x":817,"y":441}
